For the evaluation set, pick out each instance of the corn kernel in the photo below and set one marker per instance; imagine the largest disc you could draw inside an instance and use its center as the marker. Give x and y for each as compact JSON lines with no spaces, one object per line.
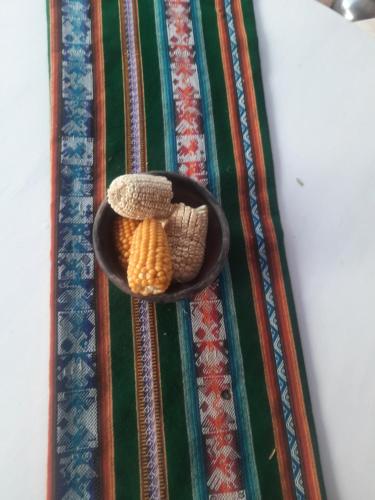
{"x":123,"y":230}
{"x":151,"y":262}
{"x":186,"y":229}
{"x":141,"y":196}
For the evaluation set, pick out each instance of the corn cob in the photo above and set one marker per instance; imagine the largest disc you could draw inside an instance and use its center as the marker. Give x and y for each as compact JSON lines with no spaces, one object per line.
{"x":123,"y":230}
{"x":187,"y":230}
{"x":141,"y":196}
{"x":150,"y":262}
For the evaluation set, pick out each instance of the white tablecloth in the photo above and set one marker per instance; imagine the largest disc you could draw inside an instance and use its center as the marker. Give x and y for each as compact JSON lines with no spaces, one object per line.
{"x":319,"y":80}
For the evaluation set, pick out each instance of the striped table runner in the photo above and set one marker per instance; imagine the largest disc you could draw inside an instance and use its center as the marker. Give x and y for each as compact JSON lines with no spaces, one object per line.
{"x":203,"y":399}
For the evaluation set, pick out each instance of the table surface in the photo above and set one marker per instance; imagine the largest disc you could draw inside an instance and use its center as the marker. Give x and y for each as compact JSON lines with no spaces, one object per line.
{"x":319,"y":80}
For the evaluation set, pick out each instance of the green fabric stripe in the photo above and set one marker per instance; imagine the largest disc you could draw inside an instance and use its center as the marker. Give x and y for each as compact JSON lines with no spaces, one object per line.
{"x":122,"y":354}
{"x":191,"y":401}
{"x":253,"y":366}
{"x":235,"y":362}
{"x":114,"y":97}
{"x":166,"y":89}
{"x":190,"y":395}
{"x":205,"y":89}
{"x":199,"y":490}
{"x":124,"y":398}
{"x":251,"y":481}
{"x":178,"y":460}
{"x":151,"y":88}
{"x":250,"y":27}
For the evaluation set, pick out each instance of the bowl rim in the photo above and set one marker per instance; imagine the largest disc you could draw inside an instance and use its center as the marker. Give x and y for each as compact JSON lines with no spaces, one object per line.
{"x":190,"y":290}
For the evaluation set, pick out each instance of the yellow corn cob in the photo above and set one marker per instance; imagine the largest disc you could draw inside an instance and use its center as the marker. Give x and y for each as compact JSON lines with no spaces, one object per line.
{"x":141,"y":196}
{"x":150,"y":262}
{"x":187,"y":230}
{"x":123,"y":230}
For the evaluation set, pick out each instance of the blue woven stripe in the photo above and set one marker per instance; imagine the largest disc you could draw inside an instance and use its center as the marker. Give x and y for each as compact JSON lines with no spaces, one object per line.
{"x":262,"y":255}
{"x":226,"y":290}
{"x":76,"y":445}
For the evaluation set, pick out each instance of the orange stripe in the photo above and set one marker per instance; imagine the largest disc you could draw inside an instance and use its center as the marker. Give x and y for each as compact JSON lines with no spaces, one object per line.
{"x":281,"y":443}
{"x":310,"y":476}
{"x":102,"y":295}
{"x":141,"y":416}
{"x":297,"y":401}
{"x":54,"y":33}
{"x":162,"y":453}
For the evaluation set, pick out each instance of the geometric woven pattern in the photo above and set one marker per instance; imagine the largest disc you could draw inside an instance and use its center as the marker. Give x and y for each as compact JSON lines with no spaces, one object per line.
{"x":205,"y":398}
{"x":148,"y":391}
{"x":225,"y":471}
{"x":262,"y":252}
{"x":76,"y":443}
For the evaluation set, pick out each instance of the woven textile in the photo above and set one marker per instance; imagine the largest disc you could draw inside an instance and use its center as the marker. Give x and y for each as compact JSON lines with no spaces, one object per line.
{"x":203,"y":399}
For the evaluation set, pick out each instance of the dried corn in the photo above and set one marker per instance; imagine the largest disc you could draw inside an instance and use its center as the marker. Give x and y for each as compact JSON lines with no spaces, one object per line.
{"x":150,"y":262}
{"x":187,"y":230}
{"x":141,"y":196}
{"x":123,"y":230}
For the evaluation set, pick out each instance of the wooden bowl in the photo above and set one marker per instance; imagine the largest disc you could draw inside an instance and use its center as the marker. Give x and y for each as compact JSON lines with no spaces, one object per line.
{"x":217,"y":245}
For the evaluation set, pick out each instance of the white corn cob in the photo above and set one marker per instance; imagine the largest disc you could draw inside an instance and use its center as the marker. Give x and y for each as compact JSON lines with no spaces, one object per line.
{"x":186,"y":229}
{"x":141,"y":196}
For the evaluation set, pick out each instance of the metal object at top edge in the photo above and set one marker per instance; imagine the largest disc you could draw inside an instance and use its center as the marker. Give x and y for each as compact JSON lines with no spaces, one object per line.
{"x":352,"y":10}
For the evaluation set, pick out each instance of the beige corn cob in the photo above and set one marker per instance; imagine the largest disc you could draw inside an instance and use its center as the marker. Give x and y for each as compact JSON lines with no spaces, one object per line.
{"x":123,"y":230}
{"x":141,"y":196}
{"x":187,"y":230}
{"x":150,"y":262}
